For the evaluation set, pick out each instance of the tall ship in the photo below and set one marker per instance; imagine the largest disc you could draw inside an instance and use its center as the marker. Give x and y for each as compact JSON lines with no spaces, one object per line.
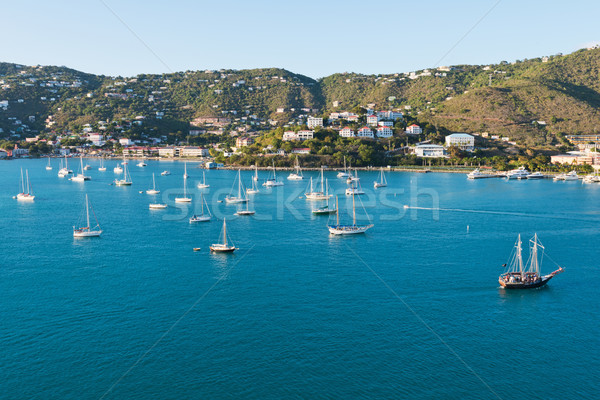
{"x":521,"y":275}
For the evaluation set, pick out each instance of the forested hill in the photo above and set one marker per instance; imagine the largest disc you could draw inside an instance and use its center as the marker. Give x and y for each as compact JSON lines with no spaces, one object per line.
{"x":530,"y":98}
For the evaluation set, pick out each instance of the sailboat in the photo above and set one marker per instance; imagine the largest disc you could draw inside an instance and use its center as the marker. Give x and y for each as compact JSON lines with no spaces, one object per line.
{"x":185,"y":174}
{"x":352,"y":178}
{"x":184,"y":199}
{"x":271,"y":182}
{"x":157,"y":206}
{"x":64,"y":171}
{"x":142,"y":163}
{"x":49,"y":166}
{"x":154,"y":190}
{"x":338,"y":229}
{"x":327,"y":209}
{"x":25,"y":194}
{"x":203,"y":217}
{"x":230,"y":198}
{"x":355,"y":187}
{"x":247,"y":211}
{"x":255,"y":177}
{"x":519,"y":276}
{"x":253,"y":189}
{"x":317,"y":195}
{"x":297,"y":175}
{"x":382,"y":182}
{"x":343,"y":174}
{"x":126,"y":181}
{"x":165,"y":173}
{"x":223,"y":247}
{"x":118,"y":169}
{"x":87,"y":231}
{"x":203,"y":184}
{"x":81,"y":177}
{"x":102,"y":167}
{"x":87,"y":167}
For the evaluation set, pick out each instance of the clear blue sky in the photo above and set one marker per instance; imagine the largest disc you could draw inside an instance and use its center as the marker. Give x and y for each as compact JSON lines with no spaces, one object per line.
{"x":314,"y":38}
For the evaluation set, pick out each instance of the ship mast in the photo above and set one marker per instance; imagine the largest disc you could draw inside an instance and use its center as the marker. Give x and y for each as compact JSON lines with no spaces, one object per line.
{"x":519,"y":256}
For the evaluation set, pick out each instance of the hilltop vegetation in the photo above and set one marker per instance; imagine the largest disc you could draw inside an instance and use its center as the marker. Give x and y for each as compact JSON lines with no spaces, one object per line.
{"x":531,"y":100}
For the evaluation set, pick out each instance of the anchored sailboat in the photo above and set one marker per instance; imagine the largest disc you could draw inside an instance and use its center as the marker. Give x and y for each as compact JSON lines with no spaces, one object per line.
{"x":64,"y":171}
{"x":203,"y":184}
{"x":382,"y":181}
{"x":102,"y":167}
{"x":345,"y":173}
{"x":234,"y":199}
{"x":25,"y":194}
{"x":184,"y":199}
{"x":154,"y":190}
{"x":327,"y":209}
{"x":317,"y":195}
{"x":126,"y":181}
{"x":223,"y":247}
{"x":271,"y":182}
{"x":202,"y":217}
{"x":253,"y":189}
{"x":87,"y":231}
{"x":81,"y":177}
{"x":297,"y":175}
{"x":520,"y":276}
{"x":338,"y":229}
{"x":49,"y":166}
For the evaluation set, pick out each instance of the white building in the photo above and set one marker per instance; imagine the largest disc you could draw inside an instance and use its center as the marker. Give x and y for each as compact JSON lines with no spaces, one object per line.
{"x":463,"y":141}
{"x":306,"y":135}
{"x":372,"y":120}
{"x":97,"y":139}
{"x":365,"y":132}
{"x":347,"y":132}
{"x":390,"y":115}
{"x":126,"y":142}
{"x":384,"y":132}
{"x":430,"y":150}
{"x":313,"y":122}
{"x":385,"y":123}
{"x":414,"y":129}
{"x":166,"y":151}
{"x":290,"y":136}
{"x":192,"y":151}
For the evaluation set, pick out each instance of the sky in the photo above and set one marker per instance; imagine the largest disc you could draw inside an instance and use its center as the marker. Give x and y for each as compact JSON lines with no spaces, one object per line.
{"x":313,"y":38}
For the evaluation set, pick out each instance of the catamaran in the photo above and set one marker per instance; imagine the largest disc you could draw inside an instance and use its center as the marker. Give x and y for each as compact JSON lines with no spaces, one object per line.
{"x":519,"y":276}
{"x":87,"y":231}
{"x":353,"y":229}
{"x":184,"y":199}
{"x":223,"y":247}
{"x":81,"y":177}
{"x":272,"y":182}
{"x":297,"y":175}
{"x":126,"y":181}
{"x":49,"y":166}
{"x":327,"y":209}
{"x":202,"y":217}
{"x":232,"y":199}
{"x":154,"y":190}
{"x":203,"y":184}
{"x":382,"y":182}
{"x":102,"y":167}
{"x":25,"y":194}
{"x":344,"y":174}
{"x":317,"y":195}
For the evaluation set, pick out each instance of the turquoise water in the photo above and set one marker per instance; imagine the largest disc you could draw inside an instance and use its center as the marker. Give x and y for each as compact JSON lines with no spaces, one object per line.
{"x":412,"y":309}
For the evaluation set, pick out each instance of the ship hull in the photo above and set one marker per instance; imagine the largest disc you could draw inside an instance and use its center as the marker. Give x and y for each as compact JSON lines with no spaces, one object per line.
{"x":523,"y":285}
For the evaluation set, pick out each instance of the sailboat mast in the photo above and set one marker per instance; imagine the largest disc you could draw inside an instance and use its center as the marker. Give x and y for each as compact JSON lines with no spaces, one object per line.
{"x":27,"y":175}
{"x":87,"y":211}
{"x":239,"y":184}
{"x":224,"y":232}
{"x":353,"y":211}
{"x":322,"y":190}
{"x":22,"y":182}
{"x":337,"y":211}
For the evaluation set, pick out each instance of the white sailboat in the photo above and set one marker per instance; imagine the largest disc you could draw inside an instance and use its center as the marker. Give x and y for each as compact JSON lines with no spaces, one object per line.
{"x":382,"y":181}
{"x":102,"y":167}
{"x":233,"y":199}
{"x":165,"y":173}
{"x":247,"y":211}
{"x":353,"y":178}
{"x":202,"y":217}
{"x":203,"y":184}
{"x":154,"y":190}
{"x":223,"y":247}
{"x":49,"y":166}
{"x":118,"y":169}
{"x":184,"y":199}
{"x":81,"y":177}
{"x":272,"y":182}
{"x":185,"y":174}
{"x":87,"y":231}
{"x":353,"y":229}
{"x":317,"y":195}
{"x":327,"y":209}
{"x":142,"y":163}
{"x":297,"y":175}
{"x":126,"y":181}
{"x":343,"y":174}
{"x":64,"y":171}
{"x":25,"y":194}
{"x":253,"y":189}
{"x":355,"y":187}
{"x":157,"y":206}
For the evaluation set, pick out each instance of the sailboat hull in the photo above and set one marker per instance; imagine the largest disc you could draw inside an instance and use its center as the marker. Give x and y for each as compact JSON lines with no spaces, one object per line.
{"x":348,"y":229}
{"x":219,"y":248}
{"x":183,"y":200}
{"x":86,"y":233}
{"x":25,"y":197}
{"x":201,"y":218}
{"x":152,"y":191}
{"x":235,"y":200}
